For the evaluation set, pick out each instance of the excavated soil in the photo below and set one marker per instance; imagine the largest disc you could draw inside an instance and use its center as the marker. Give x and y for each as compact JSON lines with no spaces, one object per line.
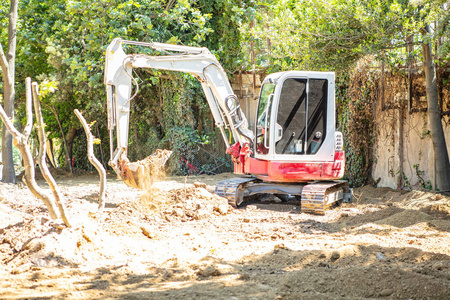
{"x":179,"y":241}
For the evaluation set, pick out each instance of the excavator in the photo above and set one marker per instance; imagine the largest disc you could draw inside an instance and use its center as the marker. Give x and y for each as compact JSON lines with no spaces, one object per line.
{"x":294,"y":149}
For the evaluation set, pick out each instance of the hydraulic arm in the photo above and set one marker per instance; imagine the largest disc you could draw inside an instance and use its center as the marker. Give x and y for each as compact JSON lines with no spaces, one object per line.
{"x":197,"y":61}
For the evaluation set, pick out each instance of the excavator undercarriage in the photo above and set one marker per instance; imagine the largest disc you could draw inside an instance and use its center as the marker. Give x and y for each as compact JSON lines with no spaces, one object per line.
{"x":315,"y":197}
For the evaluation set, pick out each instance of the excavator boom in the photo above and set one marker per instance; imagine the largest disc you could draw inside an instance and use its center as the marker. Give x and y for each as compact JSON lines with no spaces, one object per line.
{"x":119,"y":80}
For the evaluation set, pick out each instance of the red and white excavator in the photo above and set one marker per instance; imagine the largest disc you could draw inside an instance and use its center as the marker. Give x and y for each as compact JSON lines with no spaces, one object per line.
{"x":294,"y":150}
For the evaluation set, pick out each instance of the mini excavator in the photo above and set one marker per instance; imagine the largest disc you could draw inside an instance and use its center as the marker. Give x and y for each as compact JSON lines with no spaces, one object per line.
{"x":293,"y":151}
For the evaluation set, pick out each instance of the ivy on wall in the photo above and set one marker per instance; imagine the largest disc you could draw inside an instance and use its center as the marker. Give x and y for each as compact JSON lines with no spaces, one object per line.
{"x":356,"y":107}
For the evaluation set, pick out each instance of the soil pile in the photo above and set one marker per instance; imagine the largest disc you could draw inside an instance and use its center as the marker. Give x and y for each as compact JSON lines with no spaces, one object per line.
{"x":179,"y":241}
{"x":187,"y":203}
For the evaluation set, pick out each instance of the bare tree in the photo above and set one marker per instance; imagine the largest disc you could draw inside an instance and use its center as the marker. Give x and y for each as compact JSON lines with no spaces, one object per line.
{"x":42,"y":151}
{"x":21,"y":140}
{"x":94,"y":161}
{"x":7,"y":63}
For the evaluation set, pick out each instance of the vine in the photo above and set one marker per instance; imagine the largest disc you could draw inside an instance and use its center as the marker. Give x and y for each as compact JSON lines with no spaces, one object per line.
{"x":357,"y":119}
{"x":419,"y":173}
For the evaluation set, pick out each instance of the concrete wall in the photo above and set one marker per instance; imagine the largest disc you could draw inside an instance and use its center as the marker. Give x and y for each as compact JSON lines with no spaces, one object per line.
{"x":416,"y":146}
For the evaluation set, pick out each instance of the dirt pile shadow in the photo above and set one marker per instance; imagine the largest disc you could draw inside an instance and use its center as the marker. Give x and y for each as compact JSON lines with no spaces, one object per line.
{"x":350,"y":272}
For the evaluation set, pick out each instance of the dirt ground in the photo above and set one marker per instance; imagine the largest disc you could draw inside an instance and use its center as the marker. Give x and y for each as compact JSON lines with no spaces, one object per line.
{"x":182,"y":242}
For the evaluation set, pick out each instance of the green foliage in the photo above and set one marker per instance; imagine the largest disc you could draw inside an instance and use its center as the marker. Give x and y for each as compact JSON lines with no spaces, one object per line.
{"x":226,"y":40}
{"x":419,"y":173}
{"x":64,"y":43}
{"x":333,"y":34}
{"x":170,"y":112}
{"x":356,"y":108}
{"x":221,"y":164}
{"x":46,"y":86}
{"x":406,"y":184}
{"x":4,"y":11}
{"x":184,"y":142}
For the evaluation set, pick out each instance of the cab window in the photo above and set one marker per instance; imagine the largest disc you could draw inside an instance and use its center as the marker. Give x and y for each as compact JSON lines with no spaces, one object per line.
{"x":302,"y":116}
{"x":263,"y":118}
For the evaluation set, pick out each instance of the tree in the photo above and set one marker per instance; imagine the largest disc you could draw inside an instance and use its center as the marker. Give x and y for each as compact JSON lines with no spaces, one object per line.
{"x":29,"y":163}
{"x":65,"y":43}
{"x":442,"y":163}
{"x":7,"y":63}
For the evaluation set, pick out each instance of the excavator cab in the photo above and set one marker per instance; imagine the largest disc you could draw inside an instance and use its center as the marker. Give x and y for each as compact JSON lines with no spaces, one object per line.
{"x":295,"y":138}
{"x":295,"y":118}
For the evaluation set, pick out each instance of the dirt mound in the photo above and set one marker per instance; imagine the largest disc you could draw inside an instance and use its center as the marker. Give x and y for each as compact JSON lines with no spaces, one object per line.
{"x":370,"y":217}
{"x":384,"y":206}
{"x":181,"y":242}
{"x":190,"y":202}
{"x":37,"y":242}
{"x":406,"y":218}
{"x":370,"y":195}
{"x":196,"y":203}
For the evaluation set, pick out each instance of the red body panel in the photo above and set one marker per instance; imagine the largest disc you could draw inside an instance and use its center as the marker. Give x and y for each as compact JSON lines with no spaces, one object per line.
{"x":256,"y":166}
{"x":288,"y":171}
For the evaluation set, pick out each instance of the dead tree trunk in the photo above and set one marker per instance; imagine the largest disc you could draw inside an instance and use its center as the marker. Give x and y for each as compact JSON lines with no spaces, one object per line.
{"x":21,"y":140}
{"x":42,"y":151}
{"x":94,"y":161}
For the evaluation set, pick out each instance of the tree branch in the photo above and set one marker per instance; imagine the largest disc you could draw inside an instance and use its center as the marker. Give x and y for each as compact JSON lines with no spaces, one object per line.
{"x":42,"y":164}
{"x":29,"y":109}
{"x":8,"y":123}
{"x":4,"y":63}
{"x":94,"y":161}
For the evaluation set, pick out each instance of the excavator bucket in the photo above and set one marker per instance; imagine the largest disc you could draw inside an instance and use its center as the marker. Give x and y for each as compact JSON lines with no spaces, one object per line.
{"x":142,"y":174}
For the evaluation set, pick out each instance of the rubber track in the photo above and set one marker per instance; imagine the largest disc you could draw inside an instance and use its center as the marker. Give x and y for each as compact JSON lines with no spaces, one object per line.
{"x":314,"y":196}
{"x":229,"y":189}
